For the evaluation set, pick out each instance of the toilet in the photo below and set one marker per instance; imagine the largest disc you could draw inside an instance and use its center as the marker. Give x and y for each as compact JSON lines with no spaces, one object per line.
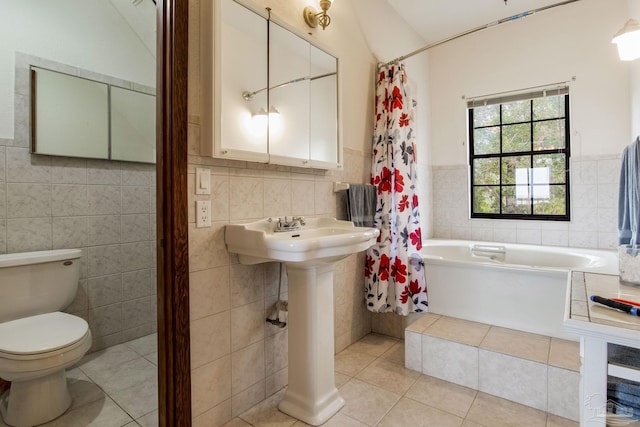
{"x":37,"y":341}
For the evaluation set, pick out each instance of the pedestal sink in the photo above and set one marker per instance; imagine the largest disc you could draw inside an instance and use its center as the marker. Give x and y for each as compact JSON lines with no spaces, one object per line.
{"x":310,"y":254}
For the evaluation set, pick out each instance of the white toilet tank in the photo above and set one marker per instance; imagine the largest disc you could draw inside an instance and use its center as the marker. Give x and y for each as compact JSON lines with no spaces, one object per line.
{"x":37,"y":282}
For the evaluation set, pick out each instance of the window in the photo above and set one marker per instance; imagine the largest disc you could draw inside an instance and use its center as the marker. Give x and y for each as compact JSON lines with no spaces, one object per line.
{"x":519,"y":156}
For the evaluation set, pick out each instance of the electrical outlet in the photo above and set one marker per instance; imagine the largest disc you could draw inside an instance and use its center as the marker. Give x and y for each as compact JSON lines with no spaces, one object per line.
{"x":203,"y":213}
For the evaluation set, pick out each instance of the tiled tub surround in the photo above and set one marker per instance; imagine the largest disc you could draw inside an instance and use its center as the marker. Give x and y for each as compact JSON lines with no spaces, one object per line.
{"x":594,"y":192}
{"x":533,"y":370}
{"x":105,"y":208}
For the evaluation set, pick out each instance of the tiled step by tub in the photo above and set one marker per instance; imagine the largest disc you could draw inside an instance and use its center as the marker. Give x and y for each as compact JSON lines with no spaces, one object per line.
{"x":534,"y":370}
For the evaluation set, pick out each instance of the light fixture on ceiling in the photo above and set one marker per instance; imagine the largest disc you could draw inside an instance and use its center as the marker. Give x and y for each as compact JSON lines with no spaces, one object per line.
{"x":313,"y":18}
{"x":628,"y":41}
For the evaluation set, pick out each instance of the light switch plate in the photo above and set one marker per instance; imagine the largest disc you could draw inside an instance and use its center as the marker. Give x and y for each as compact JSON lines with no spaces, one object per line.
{"x":203,"y":181}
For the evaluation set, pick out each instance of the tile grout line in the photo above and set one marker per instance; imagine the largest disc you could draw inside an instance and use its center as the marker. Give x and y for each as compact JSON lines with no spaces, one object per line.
{"x":547,"y":414}
{"x":109,"y":396}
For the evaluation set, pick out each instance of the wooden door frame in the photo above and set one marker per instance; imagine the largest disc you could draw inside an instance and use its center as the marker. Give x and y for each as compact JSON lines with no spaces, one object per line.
{"x":174,"y":367}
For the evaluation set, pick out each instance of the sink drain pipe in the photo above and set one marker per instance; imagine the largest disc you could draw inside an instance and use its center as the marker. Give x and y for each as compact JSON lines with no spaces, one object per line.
{"x":280,"y":311}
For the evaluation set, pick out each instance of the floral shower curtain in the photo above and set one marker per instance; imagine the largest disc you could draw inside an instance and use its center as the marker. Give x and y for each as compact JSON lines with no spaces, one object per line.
{"x":395,"y":280}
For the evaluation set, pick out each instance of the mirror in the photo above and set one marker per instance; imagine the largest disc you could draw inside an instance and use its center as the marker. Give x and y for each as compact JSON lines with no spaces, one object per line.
{"x":241,"y":66}
{"x":323,"y":111}
{"x":69,"y":115}
{"x":279,"y":92}
{"x":289,"y":93}
{"x":92,"y":118}
{"x":133,"y":126}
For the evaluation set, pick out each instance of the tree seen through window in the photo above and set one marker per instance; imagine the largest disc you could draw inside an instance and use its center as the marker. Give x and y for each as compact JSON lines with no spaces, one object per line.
{"x":519,"y":155}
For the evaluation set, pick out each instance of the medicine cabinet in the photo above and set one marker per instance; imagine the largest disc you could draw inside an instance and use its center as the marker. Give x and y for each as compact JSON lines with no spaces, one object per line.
{"x":275,"y":93}
{"x":79,"y":117}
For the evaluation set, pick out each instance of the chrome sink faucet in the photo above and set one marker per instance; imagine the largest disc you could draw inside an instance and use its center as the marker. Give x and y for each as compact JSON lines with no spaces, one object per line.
{"x":281,"y":225}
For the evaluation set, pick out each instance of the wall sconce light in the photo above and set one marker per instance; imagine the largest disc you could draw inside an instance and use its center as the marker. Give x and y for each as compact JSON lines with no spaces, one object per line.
{"x":313,"y":18}
{"x":275,"y":119}
{"x":260,"y":119}
{"x":259,"y":122}
{"x":628,"y":41}
{"x":262,"y":113}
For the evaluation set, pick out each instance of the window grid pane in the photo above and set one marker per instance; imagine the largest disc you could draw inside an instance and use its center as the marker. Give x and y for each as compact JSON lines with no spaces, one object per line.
{"x":516,"y":138}
{"x":516,"y":112}
{"x":487,"y":140}
{"x":486,"y":116}
{"x":550,"y":107}
{"x":487,"y":171}
{"x":549,"y":135}
{"x":520,"y":158}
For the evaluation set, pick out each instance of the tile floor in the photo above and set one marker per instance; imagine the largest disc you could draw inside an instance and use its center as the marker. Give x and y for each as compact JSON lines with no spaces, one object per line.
{"x":380,"y":392}
{"x":117,"y":387}
{"x":114,"y":387}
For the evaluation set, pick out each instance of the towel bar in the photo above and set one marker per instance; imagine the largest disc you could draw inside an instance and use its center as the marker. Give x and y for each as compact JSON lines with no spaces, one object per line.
{"x":340,"y":186}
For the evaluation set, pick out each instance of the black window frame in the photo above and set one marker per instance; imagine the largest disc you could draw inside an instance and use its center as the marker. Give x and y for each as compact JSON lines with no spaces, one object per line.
{"x":566,"y":151}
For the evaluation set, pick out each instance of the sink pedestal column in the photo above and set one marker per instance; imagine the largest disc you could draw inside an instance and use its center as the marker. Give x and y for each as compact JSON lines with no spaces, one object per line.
{"x":311,"y":396}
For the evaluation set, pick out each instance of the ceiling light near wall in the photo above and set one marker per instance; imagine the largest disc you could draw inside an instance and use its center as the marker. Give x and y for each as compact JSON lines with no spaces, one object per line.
{"x":313,"y":18}
{"x":628,"y":41}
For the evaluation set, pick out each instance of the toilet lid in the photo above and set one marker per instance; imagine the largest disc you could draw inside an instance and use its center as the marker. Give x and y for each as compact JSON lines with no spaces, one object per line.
{"x":41,"y":333}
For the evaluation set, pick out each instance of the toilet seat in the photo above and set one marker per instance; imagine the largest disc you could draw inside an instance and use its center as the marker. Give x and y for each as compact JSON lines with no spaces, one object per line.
{"x":42,"y":335}
{"x":35,"y":363}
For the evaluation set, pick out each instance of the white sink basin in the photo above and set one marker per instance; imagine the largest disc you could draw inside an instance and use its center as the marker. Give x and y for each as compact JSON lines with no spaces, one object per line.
{"x":310,"y":254}
{"x":321,"y":239}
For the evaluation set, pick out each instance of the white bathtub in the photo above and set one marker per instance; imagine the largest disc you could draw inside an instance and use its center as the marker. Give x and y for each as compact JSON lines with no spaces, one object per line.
{"x":515,"y":286}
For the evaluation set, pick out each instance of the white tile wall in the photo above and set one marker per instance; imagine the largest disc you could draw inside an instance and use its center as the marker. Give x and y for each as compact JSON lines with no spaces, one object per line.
{"x":450,"y":361}
{"x":513,"y":378}
{"x":229,"y":302}
{"x":211,"y":384}
{"x":58,"y":202}
{"x":594,"y":192}
{"x":106,"y":208}
{"x":413,"y":350}
{"x":563,"y":400}
{"x":538,"y":384}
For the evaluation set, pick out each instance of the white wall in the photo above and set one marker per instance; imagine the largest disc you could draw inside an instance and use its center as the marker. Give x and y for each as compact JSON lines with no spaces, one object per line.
{"x":634,"y":76}
{"x":547,"y":47}
{"x":377,"y":21}
{"x":88,"y":34}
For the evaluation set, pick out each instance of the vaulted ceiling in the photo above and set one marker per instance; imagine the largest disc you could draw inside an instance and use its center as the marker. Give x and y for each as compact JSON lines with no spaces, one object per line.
{"x":141,"y":17}
{"x":436,"y":20}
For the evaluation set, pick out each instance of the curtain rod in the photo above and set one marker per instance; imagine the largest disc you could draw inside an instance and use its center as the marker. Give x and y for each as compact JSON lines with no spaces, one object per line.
{"x":476,"y":29}
{"x":248,"y":96}
{"x":547,"y":87}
